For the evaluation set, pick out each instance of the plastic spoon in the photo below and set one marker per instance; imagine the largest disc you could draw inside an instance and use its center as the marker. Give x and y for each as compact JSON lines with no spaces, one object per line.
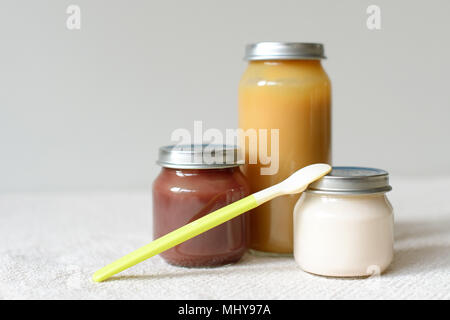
{"x":296,"y":183}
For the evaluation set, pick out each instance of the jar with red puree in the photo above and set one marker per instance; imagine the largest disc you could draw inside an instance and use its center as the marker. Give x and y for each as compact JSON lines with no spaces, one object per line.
{"x":194,"y":182}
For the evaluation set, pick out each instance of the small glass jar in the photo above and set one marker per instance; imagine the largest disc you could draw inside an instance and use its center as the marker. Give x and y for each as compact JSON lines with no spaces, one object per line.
{"x":188,"y":188}
{"x":344,"y":225}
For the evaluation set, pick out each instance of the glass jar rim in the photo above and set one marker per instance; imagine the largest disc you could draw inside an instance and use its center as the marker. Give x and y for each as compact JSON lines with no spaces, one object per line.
{"x":352,"y":181}
{"x":199,"y":156}
{"x":284,"y":51}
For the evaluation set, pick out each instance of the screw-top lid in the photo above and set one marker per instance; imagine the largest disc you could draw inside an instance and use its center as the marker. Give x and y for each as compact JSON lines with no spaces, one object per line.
{"x":284,"y":51}
{"x":199,"y":156}
{"x":352,"y":180}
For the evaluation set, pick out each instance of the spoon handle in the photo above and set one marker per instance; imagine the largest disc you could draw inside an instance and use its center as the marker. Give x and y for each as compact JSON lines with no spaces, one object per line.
{"x":177,"y":236}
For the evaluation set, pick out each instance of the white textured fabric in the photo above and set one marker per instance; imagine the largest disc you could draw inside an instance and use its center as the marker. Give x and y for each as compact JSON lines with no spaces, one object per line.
{"x":51,"y":243}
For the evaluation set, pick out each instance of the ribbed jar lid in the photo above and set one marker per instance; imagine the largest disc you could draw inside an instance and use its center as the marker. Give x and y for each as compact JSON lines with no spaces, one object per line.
{"x":352,"y":180}
{"x":284,"y":51}
{"x":199,"y":156}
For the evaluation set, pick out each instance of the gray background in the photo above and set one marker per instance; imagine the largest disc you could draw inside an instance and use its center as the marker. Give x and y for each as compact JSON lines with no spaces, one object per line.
{"x":88,"y":109}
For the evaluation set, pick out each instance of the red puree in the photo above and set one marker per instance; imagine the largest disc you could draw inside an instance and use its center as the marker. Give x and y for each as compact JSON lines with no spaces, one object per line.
{"x":181,"y":196}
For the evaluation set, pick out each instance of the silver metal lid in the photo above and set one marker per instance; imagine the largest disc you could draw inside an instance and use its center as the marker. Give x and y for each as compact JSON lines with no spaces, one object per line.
{"x":284,"y":51}
{"x":199,"y":156}
{"x":352,"y":180}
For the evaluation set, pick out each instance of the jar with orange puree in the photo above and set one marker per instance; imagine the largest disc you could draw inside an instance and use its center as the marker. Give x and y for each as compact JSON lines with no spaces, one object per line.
{"x":284,"y":87}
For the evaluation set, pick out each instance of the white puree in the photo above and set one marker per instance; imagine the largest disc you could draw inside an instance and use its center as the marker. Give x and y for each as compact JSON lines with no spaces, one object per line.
{"x":342,"y":235}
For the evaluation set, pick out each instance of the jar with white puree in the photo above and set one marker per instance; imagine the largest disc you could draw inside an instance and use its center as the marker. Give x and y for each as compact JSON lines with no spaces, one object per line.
{"x":344,"y":225}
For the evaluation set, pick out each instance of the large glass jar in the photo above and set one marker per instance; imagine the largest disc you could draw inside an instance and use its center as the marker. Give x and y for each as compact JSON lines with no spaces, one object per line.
{"x":187,"y":189}
{"x":284,"y":87}
{"x":344,"y":224}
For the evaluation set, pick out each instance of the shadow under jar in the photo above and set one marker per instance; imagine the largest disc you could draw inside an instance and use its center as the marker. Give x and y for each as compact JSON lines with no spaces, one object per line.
{"x":189,"y":188}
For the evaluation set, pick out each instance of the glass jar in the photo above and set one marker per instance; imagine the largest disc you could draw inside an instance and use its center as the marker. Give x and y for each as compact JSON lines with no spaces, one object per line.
{"x":189,"y":188}
{"x":284,"y":87}
{"x":344,"y":225}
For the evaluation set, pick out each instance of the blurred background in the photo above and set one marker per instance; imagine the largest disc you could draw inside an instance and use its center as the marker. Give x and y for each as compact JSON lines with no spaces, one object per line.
{"x":87,"y":109}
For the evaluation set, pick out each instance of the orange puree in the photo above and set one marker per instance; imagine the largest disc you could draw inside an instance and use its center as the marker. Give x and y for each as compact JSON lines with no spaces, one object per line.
{"x":293,"y":96}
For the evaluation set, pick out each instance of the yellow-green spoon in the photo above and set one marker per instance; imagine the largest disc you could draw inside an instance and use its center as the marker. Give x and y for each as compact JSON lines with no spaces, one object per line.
{"x":296,"y":183}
